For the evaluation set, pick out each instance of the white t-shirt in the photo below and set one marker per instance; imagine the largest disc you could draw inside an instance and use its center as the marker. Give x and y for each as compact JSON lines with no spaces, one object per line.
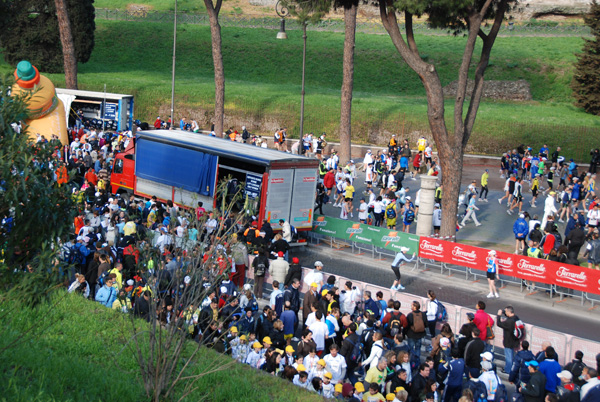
{"x":336,"y":366}
{"x":362,"y":211}
{"x":319,"y":330}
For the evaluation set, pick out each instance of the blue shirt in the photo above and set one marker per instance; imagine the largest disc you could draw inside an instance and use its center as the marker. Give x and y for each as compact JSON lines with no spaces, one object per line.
{"x":491,"y":265}
{"x":289,"y":318}
{"x":550,"y":368}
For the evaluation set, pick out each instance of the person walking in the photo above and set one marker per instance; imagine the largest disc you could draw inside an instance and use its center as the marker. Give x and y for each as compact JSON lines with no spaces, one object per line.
{"x":484,"y":186}
{"x":400,"y":260}
{"x":535,"y":389}
{"x":471,"y":213}
{"x":520,"y":229}
{"x":492,"y":268}
{"x":549,"y":208}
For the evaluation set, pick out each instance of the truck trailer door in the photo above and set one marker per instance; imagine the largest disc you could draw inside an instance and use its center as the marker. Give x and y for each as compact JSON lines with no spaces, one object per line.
{"x":279,"y":196}
{"x":303,"y":198}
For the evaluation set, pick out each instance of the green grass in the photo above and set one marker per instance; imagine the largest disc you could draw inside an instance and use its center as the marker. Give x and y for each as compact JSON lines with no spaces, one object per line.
{"x":154,"y":5}
{"x":78,"y":356}
{"x":263,"y":77}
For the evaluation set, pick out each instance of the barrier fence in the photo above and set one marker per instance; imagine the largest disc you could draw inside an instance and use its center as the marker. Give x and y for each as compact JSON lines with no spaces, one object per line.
{"x":470,"y":260}
{"x":564,"y":344}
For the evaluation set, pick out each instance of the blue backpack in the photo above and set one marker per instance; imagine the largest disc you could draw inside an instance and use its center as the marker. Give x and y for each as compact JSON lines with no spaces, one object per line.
{"x":479,"y":391}
{"x":442,"y":314}
{"x":279,"y":300}
{"x":357,"y":350}
{"x":501,"y":394}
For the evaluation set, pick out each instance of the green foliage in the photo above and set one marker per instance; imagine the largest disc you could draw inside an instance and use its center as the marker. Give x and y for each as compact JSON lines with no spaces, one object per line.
{"x":586,"y":78}
{"x":81,"y":355}
{"x":41,"y":212}
{"x":33,"y":34}
{"x":308,"y":11}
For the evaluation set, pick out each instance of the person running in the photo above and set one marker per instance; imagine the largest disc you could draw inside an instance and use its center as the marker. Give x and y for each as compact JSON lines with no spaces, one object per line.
{"x":492,"y":268}
{"x":517,"y":197}
{"x":470,"y":213}
{"x":400,"y":260}
{"x":535,"y":188}
{"x":484,"y":186}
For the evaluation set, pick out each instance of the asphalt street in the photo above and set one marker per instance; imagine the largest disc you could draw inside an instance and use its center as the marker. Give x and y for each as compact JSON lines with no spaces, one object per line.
{"x":566,"y":316}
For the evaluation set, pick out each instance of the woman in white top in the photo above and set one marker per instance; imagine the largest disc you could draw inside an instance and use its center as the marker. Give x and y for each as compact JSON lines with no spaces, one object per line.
{"x":432,"y":310}
{"x":378,"y":208}
{"x":376,"y":350}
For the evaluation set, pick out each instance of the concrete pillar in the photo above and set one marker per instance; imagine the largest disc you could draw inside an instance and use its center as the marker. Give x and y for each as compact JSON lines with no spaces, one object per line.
{"x":426,"y":202}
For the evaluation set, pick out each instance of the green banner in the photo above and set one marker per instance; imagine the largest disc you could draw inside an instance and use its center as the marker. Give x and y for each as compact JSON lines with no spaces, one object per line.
{"x":357,"y":232}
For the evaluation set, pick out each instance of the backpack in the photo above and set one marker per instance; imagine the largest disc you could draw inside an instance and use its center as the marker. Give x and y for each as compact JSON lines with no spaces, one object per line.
{"x":260,"y":268}
{"x":395,"y":325}
{"x":69,"y":254}
{"x":418,"y":323}
{"x":410,"y":215}
{"x":357,"y":350}
{"x":479,"y":391}
{"x":519,"y":331}
{"x":390,"y":213}
{"x":442,"y":314}
{"x":489,"y":331}
{"x":517,"y":397}
{"x":279,"y":304}
{"x":501,"y":394}
{"x":367,"y":340}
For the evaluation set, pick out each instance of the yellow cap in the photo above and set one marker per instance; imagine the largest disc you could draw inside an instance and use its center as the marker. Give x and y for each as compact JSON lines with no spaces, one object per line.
{"x":359,"y":387}
{"x":338,"y":387}
{"x":233,"y":330}
{"x":328,"y":375}
{"x":314,"y":285}
{"x":322,"y":362}
{"x":390,"y":397}
{"x":257,"y":345}
{"x":279,"y":351}
{"x":301,"y":368}
{"x":243,"y":337}
{"x":398,"y":389}
{"x":266,"y":339}
{"x":289,"y":349}
{"x":324,"y":292}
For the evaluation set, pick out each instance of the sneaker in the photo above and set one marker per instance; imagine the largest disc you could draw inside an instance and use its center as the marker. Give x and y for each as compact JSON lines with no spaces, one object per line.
{"x":508,"y":211}
{"x":400,"y":287}
{"x":479,"y":199}
{"x":393,"y":288}
{"x":335,"y":205}
{"x":534,"y":205}
{"x":485,"y":200}
{"x":561,"y":221}
{"x":460,"y":225}
{"x":497,"y":296}
{"x":413,"y":178}
{"x":499,"y":201}
{"x":351,"y":215}
{"x":478,"y":224}
{"x":490,"y":295}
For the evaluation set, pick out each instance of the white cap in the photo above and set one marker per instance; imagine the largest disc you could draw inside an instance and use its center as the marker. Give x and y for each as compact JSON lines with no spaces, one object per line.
{"x":404,"y":249}
{"x":492,"y":252}
{"x":110,"y":200}
{"x":522,"y":216}
{"x":318,"y":264}
{"x":130,"y":282}
{"x":187,"y":279}
{"x":487,"y":356}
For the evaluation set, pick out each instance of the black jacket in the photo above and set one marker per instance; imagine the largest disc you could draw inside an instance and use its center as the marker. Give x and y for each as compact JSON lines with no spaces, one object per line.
{"x":347,"y":347}
{"x":519,"y":371}
{"x":535,"y":390}
{"x":418,"y":385}
{"x":293,"y":296}
{"x":408,"y":331}
{"x":295,"y":272}
{"x":472,"y":353}
{"x":508,"y":329}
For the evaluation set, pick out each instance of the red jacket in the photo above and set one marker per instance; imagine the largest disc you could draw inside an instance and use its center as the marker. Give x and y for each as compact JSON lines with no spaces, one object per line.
{"x":481,"y":320}
{"x":329,"y":179}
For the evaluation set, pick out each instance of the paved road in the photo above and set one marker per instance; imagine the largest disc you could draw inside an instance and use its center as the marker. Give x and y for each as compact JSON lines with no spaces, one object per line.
{"x":497,"y":224}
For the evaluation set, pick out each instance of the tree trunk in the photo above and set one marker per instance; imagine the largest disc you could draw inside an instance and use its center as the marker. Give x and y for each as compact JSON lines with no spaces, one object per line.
{"x":347,"y":84}
{"x":66,"y":39}
{"x":215,"y":33}
{"x":303,"y":89}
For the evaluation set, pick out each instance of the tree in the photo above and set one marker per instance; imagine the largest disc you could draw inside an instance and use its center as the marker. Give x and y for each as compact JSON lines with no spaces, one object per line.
{"x":34,"y":32}
{"x":35,"y":212}
{"x":306,"y":11}
{"x":66,"y":38}
{"x":460,"y":16}
{"x":350,"y":11}
{"x":213,"y":7}
{"x":586,"y":79}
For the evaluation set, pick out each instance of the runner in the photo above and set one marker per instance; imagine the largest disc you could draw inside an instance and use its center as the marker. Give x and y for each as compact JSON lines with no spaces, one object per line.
{"x":492,"y":268}
{"x":400,"y":260}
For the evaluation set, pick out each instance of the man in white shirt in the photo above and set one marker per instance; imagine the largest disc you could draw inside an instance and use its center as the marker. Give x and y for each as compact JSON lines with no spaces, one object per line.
{"x":315,"y":276}
{"x":211,"y":223}
{"x":363,"y":213}
{"x":320,"y":331}
{"x":336,"y":364}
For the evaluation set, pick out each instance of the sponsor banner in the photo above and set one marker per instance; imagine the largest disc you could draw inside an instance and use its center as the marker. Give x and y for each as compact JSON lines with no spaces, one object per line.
{"x":376,"y":236}
{"x":453,"y":253}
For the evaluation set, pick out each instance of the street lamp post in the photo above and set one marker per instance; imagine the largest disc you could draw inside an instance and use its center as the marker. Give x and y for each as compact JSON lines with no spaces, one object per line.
{"x":282,"y":11}
{"x":173,"y":69}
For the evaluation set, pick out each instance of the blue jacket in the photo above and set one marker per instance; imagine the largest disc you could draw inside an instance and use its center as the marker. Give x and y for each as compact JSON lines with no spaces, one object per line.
{"x":519,"y":371}
{"x":522,"y":227}
{"x":106,"y":296}
{"x":455,"y":369}
{"x":374,"y":307}
{"x":550,"y":368}
{"x":571,"y":223}
{"x":592,"y":395}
